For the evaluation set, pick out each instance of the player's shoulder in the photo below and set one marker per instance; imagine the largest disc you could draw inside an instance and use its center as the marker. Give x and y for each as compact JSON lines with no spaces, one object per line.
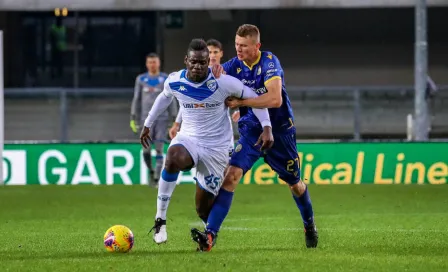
{"x":227,"y":79}
{"x":232,"y":66}
{"x":268,"y":56}
{"x":174,"y":76}
{"x":233,"y":61}
{"x":141,"y":76}
{"x":269,"y":60}
{"x":228,"y":82}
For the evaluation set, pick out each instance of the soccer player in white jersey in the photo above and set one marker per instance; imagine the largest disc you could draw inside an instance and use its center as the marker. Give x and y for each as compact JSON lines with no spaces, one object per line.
{"x":205,"y":134}
{"x":215,"y":53}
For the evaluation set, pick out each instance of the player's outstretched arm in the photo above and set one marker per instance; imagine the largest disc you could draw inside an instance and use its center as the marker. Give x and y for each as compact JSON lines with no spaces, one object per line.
{"x":262,"y":114}
{"x":161,"y":104}
{"x":236,"y":88}
{"x":271,"y":99}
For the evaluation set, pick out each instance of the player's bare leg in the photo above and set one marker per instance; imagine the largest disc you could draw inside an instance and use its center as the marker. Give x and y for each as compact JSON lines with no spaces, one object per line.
{"x":177,"y":159}
{"x":207,"y":239}
{"x":300,"y":193}
{"x":204,"y":202}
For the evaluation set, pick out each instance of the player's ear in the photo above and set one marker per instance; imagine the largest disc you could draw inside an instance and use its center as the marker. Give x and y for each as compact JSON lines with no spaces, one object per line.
{"x":185,"y":60}
{"x":258,"y":45}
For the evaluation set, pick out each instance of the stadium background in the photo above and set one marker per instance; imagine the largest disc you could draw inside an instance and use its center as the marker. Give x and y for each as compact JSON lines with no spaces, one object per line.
{"x":350,"y":74}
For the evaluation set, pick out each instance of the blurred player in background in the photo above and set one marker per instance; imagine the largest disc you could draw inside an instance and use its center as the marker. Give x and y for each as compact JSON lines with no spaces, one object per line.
{"x":204,"y":138}
{"x":147,"y":87}
{"x":261,"y":71}
{"x":216,"y":54}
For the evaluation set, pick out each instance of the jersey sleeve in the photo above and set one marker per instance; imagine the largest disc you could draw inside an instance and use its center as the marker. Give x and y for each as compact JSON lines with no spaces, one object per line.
{"x":273,"y":68}
{"x":167,"y":89}
{"x":232,"y":86}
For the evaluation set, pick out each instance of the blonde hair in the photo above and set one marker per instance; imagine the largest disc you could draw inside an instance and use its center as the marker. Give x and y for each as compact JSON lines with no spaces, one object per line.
{"x":249,"y":30}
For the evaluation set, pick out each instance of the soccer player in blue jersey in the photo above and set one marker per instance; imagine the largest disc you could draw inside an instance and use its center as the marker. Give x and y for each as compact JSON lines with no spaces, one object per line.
{"x":261,"y":71}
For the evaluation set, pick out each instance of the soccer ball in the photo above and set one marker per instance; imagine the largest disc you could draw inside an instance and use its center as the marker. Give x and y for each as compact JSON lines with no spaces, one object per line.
{"x":118,"y":238}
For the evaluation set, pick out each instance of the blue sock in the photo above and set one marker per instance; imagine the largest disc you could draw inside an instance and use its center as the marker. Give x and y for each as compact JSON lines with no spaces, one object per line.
{"x":169,"y":177}
{"x":306,"y":209}
{"x":219,"y":210}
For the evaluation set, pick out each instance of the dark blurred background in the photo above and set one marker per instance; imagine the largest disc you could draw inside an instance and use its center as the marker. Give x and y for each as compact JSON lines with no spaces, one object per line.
{"x":349,"y":70}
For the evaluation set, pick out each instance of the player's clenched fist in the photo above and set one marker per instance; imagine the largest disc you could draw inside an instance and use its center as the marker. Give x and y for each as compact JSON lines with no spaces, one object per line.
{"x":145,"y":139}
{"x":266,"y":139}
{"x":233,"y":102}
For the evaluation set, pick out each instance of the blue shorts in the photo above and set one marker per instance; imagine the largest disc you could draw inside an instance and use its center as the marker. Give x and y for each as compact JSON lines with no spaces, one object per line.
{"x":283,"y":157}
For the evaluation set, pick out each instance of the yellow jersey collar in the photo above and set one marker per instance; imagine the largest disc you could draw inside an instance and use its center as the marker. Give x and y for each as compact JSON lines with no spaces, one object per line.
{"x":255,"y":63}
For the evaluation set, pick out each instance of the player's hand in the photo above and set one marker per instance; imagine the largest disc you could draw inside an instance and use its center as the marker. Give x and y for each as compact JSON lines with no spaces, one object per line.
{"x":173,"y":130}
{"x":145,"y":139}
{"x":217,"y":70}
{"x":266,"y":139}
{"x":233,"y":102}
{"x":236,"y":116}
{"x":134,"y":126}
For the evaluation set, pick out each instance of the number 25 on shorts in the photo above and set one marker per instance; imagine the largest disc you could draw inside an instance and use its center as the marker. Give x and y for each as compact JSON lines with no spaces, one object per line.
{"x":212,"y":181}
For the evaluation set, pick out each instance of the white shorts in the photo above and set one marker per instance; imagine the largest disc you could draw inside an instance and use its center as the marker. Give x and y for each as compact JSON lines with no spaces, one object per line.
{"x":210,"y":163}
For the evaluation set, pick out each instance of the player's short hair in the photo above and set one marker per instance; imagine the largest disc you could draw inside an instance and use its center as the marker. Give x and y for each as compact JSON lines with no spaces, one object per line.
{"x":215,"y":43}
{"x":152,"y":55}
{"x":197,"y":45}
{"x":249,"y":30}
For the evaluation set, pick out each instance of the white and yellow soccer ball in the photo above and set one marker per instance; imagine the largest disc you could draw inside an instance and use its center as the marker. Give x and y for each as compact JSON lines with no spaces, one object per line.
{"x":118,"y":238}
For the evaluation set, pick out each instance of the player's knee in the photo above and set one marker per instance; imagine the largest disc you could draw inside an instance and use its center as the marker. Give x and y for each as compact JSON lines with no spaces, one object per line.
{"x":298,"y":189}
{"x":177,"y":159}
{"x":232,"y":178}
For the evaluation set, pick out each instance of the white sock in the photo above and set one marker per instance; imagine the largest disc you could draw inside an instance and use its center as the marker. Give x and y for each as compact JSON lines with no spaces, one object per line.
{"x":164,"y":196}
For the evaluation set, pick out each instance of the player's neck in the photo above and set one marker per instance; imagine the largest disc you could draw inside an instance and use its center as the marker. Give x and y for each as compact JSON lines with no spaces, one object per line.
{"x":252,"y":60}
{"x":156,"y":73}
{"x":196,"y":80}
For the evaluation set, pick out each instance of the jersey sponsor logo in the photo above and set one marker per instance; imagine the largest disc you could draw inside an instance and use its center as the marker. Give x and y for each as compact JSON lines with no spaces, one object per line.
{"x":271,"y":71}
{"x":238,"y":70}
{"x":201,"y":105}
{"x":211,"y":84}
{"x":248,"y":82}
{"x":269,"y":75}
{"x":271,"y":65}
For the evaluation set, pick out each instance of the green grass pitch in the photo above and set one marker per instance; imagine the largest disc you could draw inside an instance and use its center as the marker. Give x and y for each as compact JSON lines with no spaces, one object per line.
{"x":361,"y":228}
